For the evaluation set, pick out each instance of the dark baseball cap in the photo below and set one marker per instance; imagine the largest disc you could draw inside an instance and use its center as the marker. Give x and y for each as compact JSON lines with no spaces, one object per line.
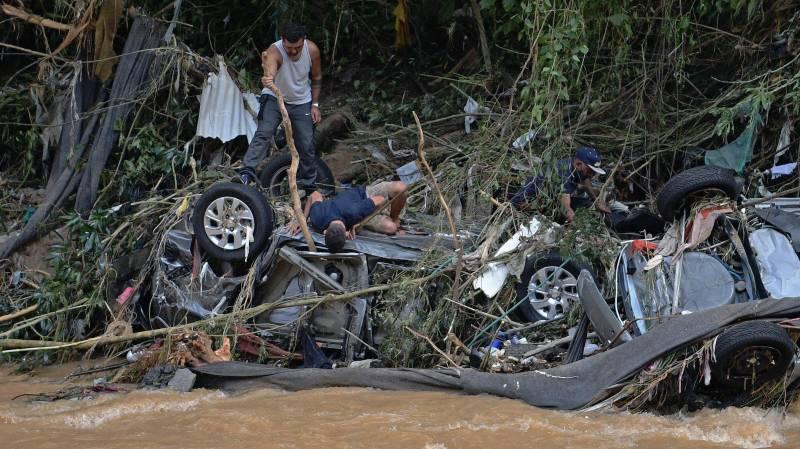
{"x":589,"y":156}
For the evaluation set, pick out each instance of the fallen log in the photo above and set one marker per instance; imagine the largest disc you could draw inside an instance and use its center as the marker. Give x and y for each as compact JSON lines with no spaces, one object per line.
{"x":55,"y":196}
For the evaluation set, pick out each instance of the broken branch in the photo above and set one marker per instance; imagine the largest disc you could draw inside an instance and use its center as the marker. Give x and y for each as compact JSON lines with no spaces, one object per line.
{"x":436,"y":348}
{"x":296,"y":206}
{"x":770,"y":197}
{"x":456,"y":242}
{"x":16,"y":345}
{"x":487,"y":60}
{"x":13,"y":11}
{"x":18,"y":313}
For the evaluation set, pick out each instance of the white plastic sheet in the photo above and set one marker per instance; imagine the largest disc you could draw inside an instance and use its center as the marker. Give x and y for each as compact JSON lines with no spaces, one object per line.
{"x":223,"y":114}
{"x":469,"y":108}
{"x":778,"y":263}
{"x":522,"y":141}
{"x":493,"y":277}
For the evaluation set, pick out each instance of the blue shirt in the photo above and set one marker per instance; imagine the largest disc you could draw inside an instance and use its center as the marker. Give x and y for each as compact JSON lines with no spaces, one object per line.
{"x":350,"y":206}
{"x":571,"y":178}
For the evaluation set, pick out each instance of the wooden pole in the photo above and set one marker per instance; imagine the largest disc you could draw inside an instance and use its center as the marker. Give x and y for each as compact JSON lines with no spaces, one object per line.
{"x":296,"y":206}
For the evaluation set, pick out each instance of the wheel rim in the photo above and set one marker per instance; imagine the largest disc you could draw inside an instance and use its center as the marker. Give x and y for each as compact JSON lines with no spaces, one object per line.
{"x":226,"y":221}
{"x":279,"y":183}
{"x":551,"y":291}
{"x":754,"y":361}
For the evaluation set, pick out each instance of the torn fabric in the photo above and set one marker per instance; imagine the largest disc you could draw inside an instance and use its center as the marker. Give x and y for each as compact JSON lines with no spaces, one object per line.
{"x":402,"y":30}
{"x":104,"y":32}
{"x":702,"y":225}
{"x":738,"y":153}
{"x":492,"y":278}
{"x":471,"y":107}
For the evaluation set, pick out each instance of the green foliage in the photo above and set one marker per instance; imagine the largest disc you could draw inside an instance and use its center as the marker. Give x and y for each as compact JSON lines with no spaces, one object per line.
{"x":89,"y":232}
{"x":376,"y":99}
{"x":18,"y":137}
{"x":792,"y":97}
{"x":587,"y":240}
{"x":147,"y":157}
{"x":80,"y":267}
{"x":563,"y":36}
{"x":755,"y":103}
{"x":735,"y":7}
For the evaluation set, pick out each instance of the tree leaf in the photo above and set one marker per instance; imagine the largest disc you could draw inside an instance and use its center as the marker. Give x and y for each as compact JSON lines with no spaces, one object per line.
{"x":618,"y":19}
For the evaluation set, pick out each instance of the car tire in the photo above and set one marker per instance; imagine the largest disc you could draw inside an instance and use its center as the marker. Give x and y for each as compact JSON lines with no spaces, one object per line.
{"x":246,"y":206}
{"x":673,"y":197}
{"x":750,"y":353}
{"x":275,"y":174}
{"x":552,"y":283}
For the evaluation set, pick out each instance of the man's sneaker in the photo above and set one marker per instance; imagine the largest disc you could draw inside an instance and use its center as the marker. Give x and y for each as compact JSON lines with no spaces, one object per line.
{"x":243,"y":178}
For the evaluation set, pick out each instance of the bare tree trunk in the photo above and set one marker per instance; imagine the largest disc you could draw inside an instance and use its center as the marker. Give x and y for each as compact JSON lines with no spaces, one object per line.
{"x":487,"y":59}
{"x":60,"y":189}
{"x":132,"y":74}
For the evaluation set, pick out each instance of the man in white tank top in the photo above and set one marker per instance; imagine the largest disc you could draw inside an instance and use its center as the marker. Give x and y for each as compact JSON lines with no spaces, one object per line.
{"x":287,"y":64}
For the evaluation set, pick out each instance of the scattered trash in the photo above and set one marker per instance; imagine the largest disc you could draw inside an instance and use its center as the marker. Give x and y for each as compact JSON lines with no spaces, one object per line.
{"x":782,"y":170}
{"x":409,"y":173}
{"x":521,"y":142}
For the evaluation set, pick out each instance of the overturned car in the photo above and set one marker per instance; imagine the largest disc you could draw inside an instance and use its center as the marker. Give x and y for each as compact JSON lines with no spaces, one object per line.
{"x":734,"y":338}
{"x":714,"y":255}
{"x":231,"y":244}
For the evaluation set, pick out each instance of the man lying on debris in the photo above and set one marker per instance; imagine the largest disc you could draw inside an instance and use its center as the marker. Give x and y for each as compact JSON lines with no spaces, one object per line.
{"x":336,"y":217}
{"x":576,"y":174}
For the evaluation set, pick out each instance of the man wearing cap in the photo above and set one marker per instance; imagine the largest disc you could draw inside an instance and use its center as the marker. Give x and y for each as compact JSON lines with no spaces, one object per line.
{"x":576,"y":174}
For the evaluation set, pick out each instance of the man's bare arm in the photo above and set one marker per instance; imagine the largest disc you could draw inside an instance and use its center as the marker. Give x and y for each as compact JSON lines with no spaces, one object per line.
{"x":316,"y":71}
{"x":566,"y":202}
{"x":600,"y":203}
{"x":316,"y":81}
{"x":586,"y":184}
{"x":271,"y":60}
{"x":294,"y":225}
{"x":315,"y":197}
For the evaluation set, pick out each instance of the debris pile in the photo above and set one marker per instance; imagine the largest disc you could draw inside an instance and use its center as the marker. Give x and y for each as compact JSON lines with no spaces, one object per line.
{"x":700,"y":188}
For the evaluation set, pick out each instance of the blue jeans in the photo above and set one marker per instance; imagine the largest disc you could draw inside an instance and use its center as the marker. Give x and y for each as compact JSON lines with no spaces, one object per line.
{"x":269,"y":117}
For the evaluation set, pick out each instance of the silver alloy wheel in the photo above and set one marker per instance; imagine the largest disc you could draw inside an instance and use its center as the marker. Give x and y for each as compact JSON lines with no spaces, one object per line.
{"x":226,"y":221}
{"x":551,"y":291}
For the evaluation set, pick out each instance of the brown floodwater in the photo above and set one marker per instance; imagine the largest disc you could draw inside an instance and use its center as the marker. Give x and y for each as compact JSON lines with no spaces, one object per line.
{"x":357,"y":418}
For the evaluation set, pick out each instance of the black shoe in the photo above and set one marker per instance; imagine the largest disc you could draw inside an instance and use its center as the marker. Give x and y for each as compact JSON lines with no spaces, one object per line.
{"x":244,"y":177}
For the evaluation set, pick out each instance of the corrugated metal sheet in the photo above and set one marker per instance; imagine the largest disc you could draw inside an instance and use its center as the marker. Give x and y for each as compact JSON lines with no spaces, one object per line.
{"x":223,"y":114}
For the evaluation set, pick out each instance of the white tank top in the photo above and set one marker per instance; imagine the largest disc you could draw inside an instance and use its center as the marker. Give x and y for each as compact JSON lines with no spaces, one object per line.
{"x":292,"y":77}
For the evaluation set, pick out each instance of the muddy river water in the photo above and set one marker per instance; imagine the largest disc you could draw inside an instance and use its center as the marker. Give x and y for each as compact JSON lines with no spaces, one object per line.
{"x":357,"y":418}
